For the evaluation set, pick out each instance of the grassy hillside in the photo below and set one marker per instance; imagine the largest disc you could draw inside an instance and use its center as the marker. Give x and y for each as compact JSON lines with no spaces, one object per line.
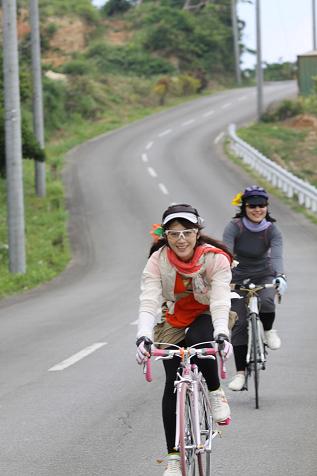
{"x":99,"y":73}
{"x":287,"y":135}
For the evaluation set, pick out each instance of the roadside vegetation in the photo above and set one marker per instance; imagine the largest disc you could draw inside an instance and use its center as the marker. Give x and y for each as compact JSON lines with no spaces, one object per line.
{"x":103,"y":68}
{"x":287,"y":134}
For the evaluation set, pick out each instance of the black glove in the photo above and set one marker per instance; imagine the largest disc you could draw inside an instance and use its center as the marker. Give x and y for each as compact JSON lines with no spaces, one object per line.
{"x":143,"y":349}
{"x":224,"y":345}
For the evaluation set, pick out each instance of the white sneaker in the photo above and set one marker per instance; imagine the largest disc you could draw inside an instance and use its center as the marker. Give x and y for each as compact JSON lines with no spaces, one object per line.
{"x":219,"y":405}
{"x":237,"y":383}
{"x":173,"y":466}
{"x":272,"y":339}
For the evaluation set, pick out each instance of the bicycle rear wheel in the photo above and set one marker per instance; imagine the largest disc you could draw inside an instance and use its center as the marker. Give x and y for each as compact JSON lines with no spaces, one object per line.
{"x":255,"y":358}
{"x":186,"y":433}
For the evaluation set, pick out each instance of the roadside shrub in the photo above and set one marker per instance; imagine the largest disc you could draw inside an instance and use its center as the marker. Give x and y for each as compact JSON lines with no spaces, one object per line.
{"x":173,"y":3}
{"x":280,"y":71}
{"x":77,"y":67}
{"x":47,"y":33}
{"x":30,"y":147}
{"x":168,"y":30}
{"x":281,"y":111}
{"x":310,"y":104}
{"x":54,"y":96}
{"x":161,"y":89}
{"x":127,"y":60}
{"x":89,"y":13}
{"x":115,"y":7}
{"x":84,"y":97}
{"x":185,"y":85}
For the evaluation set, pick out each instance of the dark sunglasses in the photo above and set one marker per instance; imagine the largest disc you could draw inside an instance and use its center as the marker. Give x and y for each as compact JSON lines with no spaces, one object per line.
{"x":260,"y":205}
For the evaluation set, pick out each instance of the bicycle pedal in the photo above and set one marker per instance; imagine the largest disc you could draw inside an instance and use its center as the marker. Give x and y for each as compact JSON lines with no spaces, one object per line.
{"x":225,"y":422}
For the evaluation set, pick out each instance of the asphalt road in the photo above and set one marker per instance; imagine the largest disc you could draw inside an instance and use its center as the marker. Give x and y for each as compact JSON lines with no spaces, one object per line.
{"x":72,"y":399}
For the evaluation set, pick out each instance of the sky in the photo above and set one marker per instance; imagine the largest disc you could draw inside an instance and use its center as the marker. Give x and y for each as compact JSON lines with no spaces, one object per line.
{"x":286,"y":29}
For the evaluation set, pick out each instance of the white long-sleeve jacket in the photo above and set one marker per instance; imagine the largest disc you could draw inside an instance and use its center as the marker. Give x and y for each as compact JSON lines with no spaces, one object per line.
{"x":158,"y":282}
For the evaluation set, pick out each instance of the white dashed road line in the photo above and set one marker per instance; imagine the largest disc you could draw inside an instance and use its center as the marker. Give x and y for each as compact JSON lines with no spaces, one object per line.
{"x":134,"y":323}
{"x":228,"y":104}
{"x":242,"y":98}
{"x":152,"y":172}
{"x":76,"y":357}
{"x":164,"y":133}
{"x":187,"y":123}
{"x":144,"y":158}
{"x":209,"y":113}
{"x":149,"y":145}
{"x":219,"y":137}
{"x":163,"y":188}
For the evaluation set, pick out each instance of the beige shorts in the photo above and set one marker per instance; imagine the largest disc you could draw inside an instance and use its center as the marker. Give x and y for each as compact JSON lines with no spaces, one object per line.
{"x":164,"y":332}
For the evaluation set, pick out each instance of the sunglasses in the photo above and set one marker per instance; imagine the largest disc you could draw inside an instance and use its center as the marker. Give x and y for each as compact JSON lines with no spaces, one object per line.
{"x":260,"y":205}
{"x":185,"y":234}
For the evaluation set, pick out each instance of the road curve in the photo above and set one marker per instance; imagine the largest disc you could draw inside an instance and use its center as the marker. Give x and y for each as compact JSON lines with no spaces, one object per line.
{"x":73,"y":401}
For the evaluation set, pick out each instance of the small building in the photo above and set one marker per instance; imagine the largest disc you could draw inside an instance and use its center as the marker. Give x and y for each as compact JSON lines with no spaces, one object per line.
{"x":307,"y":71}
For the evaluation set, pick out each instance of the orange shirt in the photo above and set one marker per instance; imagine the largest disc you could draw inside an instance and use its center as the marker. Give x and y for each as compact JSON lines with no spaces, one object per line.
{"x":186,"y":308}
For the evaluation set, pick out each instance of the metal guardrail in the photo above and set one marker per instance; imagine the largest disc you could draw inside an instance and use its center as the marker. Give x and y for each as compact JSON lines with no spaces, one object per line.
{"x":291,"y":186}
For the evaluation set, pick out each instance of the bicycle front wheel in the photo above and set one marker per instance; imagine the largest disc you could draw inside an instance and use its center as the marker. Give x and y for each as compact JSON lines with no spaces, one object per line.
{"x":255,"y":358}
{"x":186,"y":433}
{"x":206,"y":432}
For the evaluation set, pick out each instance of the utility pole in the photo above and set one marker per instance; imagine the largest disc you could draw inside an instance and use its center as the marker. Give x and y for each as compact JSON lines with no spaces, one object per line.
{"x":236,"y":40}
{"x":259,"y":69}
{"x":314,"y":24}
{"x":38,"y":120}
{"x":13,"y":139}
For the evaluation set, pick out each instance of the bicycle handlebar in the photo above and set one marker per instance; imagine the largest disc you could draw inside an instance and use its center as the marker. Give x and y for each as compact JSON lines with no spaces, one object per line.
{"x":206,"y":352}
{"x":252,"y":286}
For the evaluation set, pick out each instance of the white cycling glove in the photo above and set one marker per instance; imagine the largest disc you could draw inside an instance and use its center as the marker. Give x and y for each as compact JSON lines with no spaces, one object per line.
{"x":224,"y":345}
{"x":143,"y":348}
{"x":280,"y":280}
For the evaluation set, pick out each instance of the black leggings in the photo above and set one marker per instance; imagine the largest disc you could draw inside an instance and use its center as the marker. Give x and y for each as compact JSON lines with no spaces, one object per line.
{"x":240,"y":351}
{"x":200,"y":331}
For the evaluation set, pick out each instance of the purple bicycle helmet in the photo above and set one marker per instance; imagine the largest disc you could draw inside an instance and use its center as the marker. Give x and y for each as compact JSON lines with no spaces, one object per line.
{"x":255,"y":194}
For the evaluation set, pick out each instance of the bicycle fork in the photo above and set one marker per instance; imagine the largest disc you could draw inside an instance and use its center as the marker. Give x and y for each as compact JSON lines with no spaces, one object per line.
{"x":254,"y":310}
{"x":197,"y":444}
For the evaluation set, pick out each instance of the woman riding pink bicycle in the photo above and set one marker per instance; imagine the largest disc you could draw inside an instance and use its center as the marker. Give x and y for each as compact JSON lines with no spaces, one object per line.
{"x":187,"y":276}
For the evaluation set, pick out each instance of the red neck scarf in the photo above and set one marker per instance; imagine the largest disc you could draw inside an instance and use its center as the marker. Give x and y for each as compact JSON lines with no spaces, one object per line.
{"x":194,"y":265}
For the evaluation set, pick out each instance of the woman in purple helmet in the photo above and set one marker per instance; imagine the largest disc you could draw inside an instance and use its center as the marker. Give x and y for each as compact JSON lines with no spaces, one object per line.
{"x":256,"y":243}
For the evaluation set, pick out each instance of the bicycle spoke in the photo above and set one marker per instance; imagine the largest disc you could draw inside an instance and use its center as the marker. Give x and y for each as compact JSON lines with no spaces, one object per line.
{"x":206,"y":430}
{"x":186,"y":437}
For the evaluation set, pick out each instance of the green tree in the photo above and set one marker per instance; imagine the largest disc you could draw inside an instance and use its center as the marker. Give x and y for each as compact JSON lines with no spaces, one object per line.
{"x":280,"y":71}
{"x":115,"y":7}
{"x":30,"y":146}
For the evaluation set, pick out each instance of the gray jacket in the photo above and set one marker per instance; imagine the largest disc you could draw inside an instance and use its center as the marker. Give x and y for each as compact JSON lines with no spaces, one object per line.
{"x":259,"y":254}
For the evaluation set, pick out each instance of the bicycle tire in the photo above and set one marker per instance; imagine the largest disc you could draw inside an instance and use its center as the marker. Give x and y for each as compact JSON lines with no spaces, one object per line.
{"x":206,"y":430}
{"x":254,"y":359}
{"x":186,"y":434}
